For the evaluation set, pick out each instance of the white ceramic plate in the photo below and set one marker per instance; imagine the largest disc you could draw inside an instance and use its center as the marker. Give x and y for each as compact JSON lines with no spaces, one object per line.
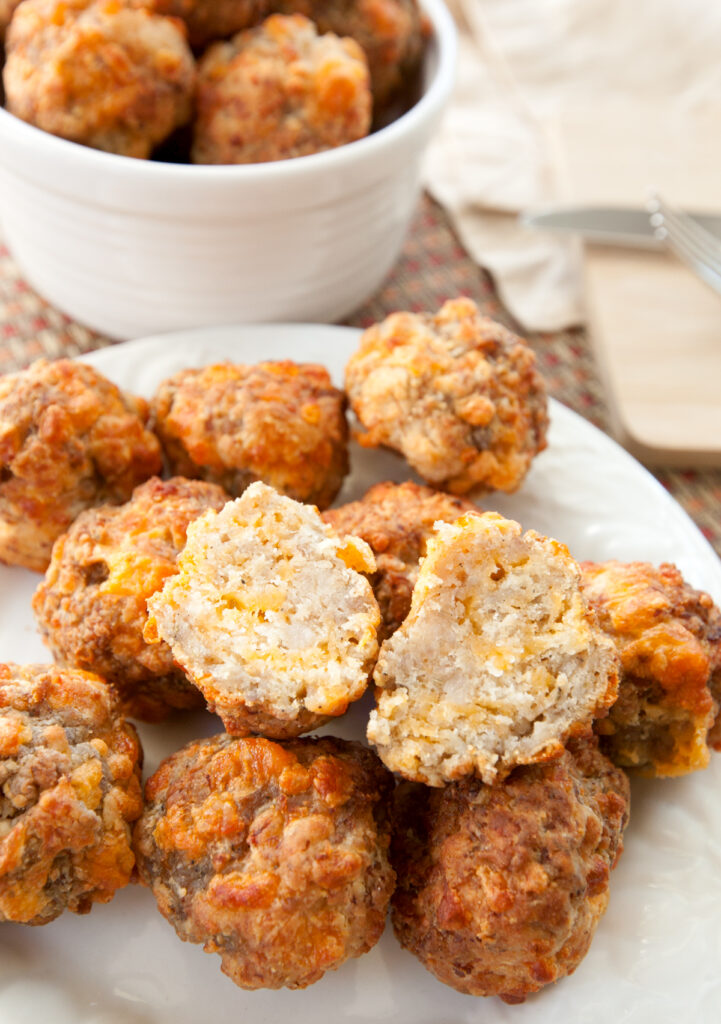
{"x":656,"y":957}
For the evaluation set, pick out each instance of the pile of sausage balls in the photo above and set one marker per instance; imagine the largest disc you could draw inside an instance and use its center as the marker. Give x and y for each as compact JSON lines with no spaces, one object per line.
{"x":192,"y":558}
{"x":250,"y":80}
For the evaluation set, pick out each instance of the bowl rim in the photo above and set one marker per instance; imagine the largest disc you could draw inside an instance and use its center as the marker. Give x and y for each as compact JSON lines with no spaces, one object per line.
{"x":445,"y":37}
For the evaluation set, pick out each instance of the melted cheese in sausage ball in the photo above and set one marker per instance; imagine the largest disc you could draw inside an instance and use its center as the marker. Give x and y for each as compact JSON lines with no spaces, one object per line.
{"x":274,"y":856}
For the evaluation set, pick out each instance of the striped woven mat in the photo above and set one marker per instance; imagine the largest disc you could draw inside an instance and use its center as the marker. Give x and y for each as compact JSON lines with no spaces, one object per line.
{"x":433,"y":267}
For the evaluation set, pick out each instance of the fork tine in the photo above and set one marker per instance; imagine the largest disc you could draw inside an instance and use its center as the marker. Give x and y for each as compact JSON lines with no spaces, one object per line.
{"x":694,"y":254}
{"x":691,"y":243}
{"x":706,"y":273}
{"x":703,"y":243}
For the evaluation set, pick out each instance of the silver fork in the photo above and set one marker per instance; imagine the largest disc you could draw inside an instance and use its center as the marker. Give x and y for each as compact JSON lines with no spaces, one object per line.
{"x":691,"y":243}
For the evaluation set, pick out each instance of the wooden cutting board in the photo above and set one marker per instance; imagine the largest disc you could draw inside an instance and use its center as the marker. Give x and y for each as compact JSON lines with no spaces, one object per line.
{"x":656,"y":329}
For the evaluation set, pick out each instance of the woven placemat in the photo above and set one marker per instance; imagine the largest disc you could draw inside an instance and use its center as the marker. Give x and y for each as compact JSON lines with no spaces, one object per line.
{"x":433,"y":268}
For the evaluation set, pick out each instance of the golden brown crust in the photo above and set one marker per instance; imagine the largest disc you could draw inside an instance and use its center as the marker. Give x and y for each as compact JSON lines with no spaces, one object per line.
{"x":391,"y":33}
{"x":500,"y":889}
{"x":455,"y":393}
{"x":91,"y":607}
{"x":273,"y":856}
{"x":264,"y":720}
{"x":207,"y":20}
{"x":279,"y":91}
{"x":69,"y":439}
{"x":105,"y":73}
{"x":668,"y":636}
{"x":69,"y":789}
{"x":396,"y":520}
{"x":279,"y":422}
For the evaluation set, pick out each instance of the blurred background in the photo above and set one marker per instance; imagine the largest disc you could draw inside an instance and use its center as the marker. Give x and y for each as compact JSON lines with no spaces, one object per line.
{"x":565,"y":101}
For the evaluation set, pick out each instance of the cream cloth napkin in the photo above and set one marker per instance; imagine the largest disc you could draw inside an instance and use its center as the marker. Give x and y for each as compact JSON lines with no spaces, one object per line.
{"x":497,"y":152}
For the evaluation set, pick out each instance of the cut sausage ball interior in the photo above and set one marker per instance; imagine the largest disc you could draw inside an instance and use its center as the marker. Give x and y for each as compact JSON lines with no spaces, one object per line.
{"x":498,"y":662}
{"x":69,"y":790}
{"x":396,"y":520}
{"x":274,"y":856}
{"x":270,"y":614}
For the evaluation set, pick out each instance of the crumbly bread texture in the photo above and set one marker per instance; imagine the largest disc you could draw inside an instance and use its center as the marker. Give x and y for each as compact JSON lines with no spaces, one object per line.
{"x":500,"y":888}
{"x":455,"y":393}
{"x":270,"y":615}
{"x":91,"y":606}
{"x":69,"y":790}
{"x":668,"y":636}
{"x":69,"y":439}
{"x":396,"y":520}
{"x":498,"y":662}
{"x":278,"y":91}
{"x":274,"y":856}
{"x":390,"y":32}
{"x":103,"y":73}
{"x":280,"y":422}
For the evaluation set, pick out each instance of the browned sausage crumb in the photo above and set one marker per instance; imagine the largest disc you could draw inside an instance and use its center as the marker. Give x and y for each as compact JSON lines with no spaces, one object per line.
{"x":69,"y":789}
{"x":69,"y":440}
{"x":274,"y":856}
{"x":280,"y":422}
{"x":668,"y":636}
{"x":455,"y":393}
{"x":390,"y":32}
{"x":91,"y":607}
{"x":104,"y":73}
{"x":207,"y":20}
{"x":279,"y":91}
{"x":500,"y":888}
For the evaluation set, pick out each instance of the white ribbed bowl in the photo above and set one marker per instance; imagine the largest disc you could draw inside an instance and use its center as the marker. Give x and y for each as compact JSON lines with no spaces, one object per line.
{"x":133,"y":247}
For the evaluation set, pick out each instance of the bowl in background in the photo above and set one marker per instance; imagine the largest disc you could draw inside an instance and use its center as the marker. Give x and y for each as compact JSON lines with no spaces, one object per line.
{"x":133,"y":247}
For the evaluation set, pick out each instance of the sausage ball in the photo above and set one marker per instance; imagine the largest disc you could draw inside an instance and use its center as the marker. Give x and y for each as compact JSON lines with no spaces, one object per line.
{"x":270,"y":615}
{"x":69,"y":789}
{"x":69,"y":439}
{"x":396,"y":520}
{"x":274,"y":856}
{"x":456,"y":393}
{"x":668,"y":636}
{"x":390,"y":32}
{"x":278,"y":91}
{"x":91,"y":607}
{"x":500,"y":888}
{"x":207,"y":20}
{"x":281,"y":422}
{"x":103,"y":73}
{"x":499,"y":661}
